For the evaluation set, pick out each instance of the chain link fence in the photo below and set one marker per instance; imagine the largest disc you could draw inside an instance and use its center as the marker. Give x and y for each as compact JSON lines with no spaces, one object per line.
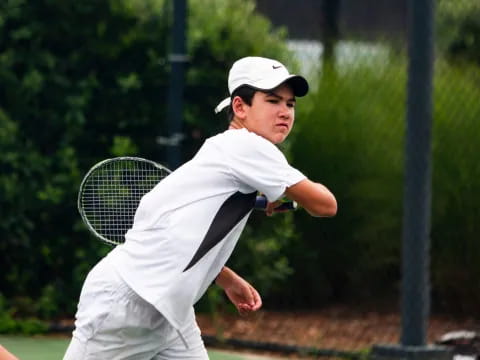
{"x":96,"y":74}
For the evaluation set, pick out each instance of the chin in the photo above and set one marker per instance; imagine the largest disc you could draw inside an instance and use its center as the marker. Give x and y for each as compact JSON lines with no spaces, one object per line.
{"x":278,"y":139}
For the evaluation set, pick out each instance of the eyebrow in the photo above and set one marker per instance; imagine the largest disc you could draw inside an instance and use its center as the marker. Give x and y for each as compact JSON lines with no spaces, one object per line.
{"x":271,"y":93}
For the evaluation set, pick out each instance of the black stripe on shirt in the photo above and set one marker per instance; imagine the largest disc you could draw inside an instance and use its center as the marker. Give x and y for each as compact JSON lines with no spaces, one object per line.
{"x":230,"y":213}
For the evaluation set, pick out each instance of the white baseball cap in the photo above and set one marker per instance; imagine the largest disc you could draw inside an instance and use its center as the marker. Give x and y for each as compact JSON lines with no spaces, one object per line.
{"x":262,"y":74}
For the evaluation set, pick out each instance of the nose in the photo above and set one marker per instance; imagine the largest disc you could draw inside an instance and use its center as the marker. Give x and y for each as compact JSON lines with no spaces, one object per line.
{"x":285,"y":111}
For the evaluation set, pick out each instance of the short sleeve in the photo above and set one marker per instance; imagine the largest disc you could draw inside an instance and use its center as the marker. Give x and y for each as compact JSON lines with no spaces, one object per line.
{"x":256,"y":162}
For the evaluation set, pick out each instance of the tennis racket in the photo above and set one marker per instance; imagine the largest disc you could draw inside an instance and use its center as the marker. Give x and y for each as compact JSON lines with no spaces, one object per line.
{"x":112,"y":189}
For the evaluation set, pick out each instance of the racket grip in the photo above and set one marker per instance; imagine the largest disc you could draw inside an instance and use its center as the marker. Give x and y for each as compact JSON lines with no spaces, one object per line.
{"x":261,"y":204}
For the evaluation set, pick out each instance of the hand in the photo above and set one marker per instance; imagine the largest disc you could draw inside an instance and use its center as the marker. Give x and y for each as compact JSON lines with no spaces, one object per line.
{"x":243,"y":295}
{"x":274,"y":207}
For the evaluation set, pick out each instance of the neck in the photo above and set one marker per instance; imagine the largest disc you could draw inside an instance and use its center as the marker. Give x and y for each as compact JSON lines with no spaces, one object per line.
{"x":236,"y":124}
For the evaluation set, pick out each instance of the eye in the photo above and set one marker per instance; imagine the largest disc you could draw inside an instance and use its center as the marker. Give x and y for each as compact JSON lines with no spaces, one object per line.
{"x":291,"y":105}
{"x":272,"y":101}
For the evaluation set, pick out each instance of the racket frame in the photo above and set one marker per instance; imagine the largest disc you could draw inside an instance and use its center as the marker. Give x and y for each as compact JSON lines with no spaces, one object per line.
{"x":87,"y":177}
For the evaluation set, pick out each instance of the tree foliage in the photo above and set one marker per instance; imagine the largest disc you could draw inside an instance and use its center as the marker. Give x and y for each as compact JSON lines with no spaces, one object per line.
{"x":458,"y":25}
{"x":350,"y":136}
{"x":81,"y":81}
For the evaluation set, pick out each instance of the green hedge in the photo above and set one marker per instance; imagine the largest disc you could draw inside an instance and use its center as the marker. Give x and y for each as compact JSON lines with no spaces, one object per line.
{"x":80,"y":82}
{"x":350,"y":137}
{"x":456,"y":188}
{"x":83,"y":81}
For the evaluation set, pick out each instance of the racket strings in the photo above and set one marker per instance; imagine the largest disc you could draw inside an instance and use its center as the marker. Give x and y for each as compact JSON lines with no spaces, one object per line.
{"x":112,"y":194}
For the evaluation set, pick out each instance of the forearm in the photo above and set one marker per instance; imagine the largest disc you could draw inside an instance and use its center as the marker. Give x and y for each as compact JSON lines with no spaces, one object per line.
{"x":243,"y":295}
{"x":313,"y":197}
{"x":225,"y":277}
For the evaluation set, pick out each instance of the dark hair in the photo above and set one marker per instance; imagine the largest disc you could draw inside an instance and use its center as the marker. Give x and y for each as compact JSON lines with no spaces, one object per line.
{"x":246,"y":93}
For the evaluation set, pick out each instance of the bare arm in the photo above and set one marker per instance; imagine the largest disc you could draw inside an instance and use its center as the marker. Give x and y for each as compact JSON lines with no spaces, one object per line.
{"x":243,"y":295}
{"x":315,"y":198}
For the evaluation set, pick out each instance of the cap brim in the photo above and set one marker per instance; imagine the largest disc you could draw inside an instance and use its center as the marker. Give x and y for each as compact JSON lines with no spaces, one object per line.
{"x":299,"y":85}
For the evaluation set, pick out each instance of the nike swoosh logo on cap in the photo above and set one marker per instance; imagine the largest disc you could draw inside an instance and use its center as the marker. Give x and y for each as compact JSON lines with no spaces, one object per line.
{"x":276,"y":67}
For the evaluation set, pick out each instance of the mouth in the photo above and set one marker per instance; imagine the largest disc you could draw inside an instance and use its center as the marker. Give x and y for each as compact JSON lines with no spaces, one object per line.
{"x":283,"y":126}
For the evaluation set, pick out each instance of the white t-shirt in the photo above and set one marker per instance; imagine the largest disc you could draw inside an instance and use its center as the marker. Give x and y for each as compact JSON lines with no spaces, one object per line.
{"x":185,"y":229}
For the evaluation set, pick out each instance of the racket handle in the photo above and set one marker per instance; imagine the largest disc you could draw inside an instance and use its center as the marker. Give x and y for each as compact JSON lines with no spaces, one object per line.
{"x":261,"y":204}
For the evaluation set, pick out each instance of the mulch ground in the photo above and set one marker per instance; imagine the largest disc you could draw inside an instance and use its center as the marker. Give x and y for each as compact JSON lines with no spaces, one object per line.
{"x":339,"y":328}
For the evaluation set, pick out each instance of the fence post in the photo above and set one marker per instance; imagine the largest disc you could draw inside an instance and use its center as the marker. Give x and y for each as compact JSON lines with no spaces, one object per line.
{"x":177,"y":58}
{"x":417,"y":198}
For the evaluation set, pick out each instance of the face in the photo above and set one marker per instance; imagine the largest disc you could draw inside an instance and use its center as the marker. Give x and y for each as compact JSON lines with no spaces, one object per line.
{"x":271,"y":114}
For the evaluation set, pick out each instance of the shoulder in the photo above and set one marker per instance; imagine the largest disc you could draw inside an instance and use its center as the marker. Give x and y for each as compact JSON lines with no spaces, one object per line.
{"x":242,"y":148}
{"x":245,"y":142}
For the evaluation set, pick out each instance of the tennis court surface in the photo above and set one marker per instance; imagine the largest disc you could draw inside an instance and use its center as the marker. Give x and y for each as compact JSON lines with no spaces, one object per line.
{"x":53,"y":348}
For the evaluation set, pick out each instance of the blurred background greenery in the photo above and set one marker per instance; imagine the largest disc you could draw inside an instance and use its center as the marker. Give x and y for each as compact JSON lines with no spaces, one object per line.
{"x":81,"y":81}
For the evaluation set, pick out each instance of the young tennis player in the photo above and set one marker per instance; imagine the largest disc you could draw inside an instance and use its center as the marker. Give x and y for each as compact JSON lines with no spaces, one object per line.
{"x":137,"y":302}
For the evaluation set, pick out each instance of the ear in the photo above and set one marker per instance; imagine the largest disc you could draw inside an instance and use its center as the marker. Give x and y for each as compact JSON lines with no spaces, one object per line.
{"x":239,"y":108}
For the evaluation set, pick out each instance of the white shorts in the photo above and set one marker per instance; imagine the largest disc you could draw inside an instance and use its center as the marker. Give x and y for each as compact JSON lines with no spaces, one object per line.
{"x":113,"y":322}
